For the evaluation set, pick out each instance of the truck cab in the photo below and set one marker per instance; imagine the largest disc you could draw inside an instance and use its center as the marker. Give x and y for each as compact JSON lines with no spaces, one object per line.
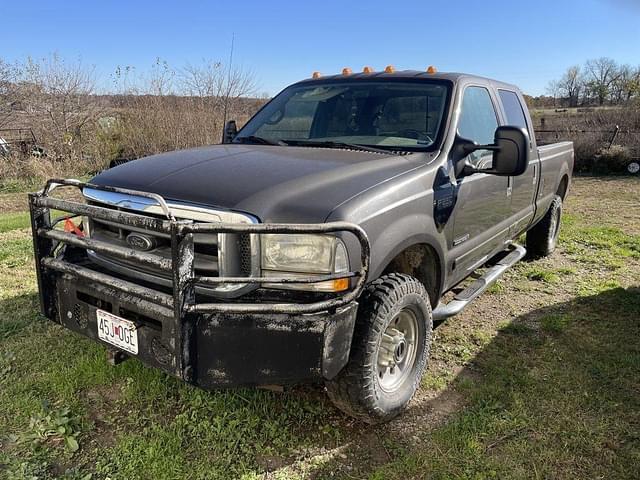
{"x":316,"y":243}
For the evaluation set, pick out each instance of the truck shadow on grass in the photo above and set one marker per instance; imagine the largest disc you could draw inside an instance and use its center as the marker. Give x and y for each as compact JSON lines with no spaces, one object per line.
{"x":554,"y":391}
{"x":554,"y":394}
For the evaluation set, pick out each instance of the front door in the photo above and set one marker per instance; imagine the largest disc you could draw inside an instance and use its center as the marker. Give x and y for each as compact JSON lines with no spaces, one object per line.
{"x":483,"y":207}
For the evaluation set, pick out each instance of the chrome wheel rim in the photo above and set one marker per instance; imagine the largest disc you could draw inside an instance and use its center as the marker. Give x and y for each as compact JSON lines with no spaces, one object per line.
{"x":397,"y":350}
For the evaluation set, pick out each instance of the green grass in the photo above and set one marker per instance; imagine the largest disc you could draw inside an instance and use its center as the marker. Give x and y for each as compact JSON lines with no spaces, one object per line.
{"x":605,"y":246}
{"x":541,"y":275}
{"x":556,"y":322}
{"x":540,"y":378}
{"x":14,"y":221}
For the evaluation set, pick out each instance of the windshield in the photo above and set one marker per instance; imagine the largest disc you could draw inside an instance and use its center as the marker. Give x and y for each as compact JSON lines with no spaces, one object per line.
{"x":386,"y":115}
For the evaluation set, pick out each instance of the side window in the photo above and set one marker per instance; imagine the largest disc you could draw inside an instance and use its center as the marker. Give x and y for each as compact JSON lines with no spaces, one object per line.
{"x":478,"y":121}
{"x":513,"y":109}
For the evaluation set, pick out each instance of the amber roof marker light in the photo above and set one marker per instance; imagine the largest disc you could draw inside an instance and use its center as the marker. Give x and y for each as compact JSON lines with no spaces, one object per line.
{"x":431,"y":69}
{"x":316,"y":75}
{"x":389,"y":69}
{"x":367,"y":70}
{"x":346,"y":71}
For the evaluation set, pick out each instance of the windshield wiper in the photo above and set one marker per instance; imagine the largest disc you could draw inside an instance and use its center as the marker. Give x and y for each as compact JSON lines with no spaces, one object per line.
{"x":258,"y":140}
{"x":332,"y":144}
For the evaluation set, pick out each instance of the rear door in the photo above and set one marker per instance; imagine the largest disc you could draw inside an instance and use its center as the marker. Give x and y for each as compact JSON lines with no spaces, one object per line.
{"x":483,"y":208}
{"x":523,"y":187}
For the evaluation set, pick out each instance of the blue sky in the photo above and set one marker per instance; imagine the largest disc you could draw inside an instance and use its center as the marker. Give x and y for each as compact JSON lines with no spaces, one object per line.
{"x":527,"y":43}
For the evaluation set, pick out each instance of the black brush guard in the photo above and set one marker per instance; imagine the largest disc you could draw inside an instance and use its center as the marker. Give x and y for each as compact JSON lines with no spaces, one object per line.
{"x":180,"y":306}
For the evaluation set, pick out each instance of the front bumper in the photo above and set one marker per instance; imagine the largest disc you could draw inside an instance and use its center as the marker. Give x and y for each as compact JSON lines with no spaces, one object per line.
{"x":228,"y":349}
{"x":213,"y":344}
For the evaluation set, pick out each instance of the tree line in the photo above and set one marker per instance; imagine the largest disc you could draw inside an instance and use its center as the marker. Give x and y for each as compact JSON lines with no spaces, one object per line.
{"x":598,"y":82}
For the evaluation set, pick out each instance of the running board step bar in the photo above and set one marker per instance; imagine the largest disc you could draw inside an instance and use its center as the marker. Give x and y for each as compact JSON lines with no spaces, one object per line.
{"x":469,"y":294}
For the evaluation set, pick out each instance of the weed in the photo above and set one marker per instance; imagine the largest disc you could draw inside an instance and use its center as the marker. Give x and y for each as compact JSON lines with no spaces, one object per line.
{"x":497,"y":287}
{"x":541,"y":275}
{"x":54,"y":426}
{"x":566,"y":271}
{"x":436,"y":380}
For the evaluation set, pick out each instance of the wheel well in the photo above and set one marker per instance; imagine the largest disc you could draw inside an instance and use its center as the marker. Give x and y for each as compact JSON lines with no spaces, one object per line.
{"x":562,"y":188}
{"x":421,"y":262}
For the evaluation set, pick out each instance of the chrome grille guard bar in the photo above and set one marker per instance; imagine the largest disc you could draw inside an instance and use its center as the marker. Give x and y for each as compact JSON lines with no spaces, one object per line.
{"x":182,"y":301}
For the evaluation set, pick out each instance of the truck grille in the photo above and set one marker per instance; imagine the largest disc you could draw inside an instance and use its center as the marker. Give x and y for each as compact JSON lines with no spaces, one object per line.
{"x":206,"y":249}
{"x":215,"y":254}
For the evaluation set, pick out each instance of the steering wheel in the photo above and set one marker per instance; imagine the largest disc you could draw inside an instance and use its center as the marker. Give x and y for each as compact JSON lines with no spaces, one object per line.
{"x":416,"y":134}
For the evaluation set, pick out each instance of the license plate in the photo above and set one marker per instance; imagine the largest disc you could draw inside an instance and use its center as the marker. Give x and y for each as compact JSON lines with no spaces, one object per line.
{"x":117,"y":331}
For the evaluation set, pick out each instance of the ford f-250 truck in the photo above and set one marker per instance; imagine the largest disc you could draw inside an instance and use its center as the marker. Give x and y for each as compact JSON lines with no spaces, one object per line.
{"x":316,"y":244}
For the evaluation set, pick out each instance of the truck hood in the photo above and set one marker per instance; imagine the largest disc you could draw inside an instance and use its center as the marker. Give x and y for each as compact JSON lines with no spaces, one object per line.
{"x":276,"y":184}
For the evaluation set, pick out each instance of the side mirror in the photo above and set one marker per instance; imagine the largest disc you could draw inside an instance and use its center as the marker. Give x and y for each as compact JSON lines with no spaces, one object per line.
{"x":230,"y":131}
{"x":510,"y":153}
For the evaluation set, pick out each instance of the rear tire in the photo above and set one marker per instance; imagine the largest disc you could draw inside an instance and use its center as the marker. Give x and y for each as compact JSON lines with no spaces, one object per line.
{"x":543,"y":237}
{"x":389,"y":352}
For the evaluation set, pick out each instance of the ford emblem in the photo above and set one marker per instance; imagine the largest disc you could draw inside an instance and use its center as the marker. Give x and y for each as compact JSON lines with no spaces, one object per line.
{"x":141,"y":242}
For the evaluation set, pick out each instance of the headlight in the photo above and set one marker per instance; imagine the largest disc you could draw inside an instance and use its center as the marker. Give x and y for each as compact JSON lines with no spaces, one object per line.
{"x":296,"y":254}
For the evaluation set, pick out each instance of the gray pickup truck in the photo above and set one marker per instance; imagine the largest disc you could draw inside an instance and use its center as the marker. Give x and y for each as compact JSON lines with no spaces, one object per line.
{"x":316,"y":244}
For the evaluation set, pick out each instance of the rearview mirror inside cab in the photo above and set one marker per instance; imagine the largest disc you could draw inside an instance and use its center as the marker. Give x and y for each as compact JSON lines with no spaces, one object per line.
{"x":510,"y":153}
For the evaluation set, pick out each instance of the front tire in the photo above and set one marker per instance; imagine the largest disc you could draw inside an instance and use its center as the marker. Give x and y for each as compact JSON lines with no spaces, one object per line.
{"x":389,"y":352}
{"x":543,"y":237}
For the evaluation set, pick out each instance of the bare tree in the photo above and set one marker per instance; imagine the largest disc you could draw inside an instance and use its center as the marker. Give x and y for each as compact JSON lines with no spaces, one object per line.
{"x":237,"y":84}
{"x":171,"y":108}
{"x":571,"y":84}
{"x":626,"y":85}
{"x":202,"y":80}
{"x":213,"y":79}
{"x":217,"y":88}
{"x":61,"y":93}
{"x":10,"y":92}
{"x":568,"y":87}
{"x":633,"y":85}
{"x":602,"y":73}
{"x":553,"y":89}
{"x":161,"y":78}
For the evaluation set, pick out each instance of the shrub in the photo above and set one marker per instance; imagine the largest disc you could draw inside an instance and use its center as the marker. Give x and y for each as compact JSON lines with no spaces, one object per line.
{"x":612,"y":160}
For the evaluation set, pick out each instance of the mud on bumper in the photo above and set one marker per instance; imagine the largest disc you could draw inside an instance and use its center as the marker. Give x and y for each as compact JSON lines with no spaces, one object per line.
{"x":209,"y":344}
{"x":228,"y":349}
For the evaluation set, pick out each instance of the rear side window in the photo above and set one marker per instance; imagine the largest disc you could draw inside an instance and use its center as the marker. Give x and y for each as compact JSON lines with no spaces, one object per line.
{"x":513,"y":109}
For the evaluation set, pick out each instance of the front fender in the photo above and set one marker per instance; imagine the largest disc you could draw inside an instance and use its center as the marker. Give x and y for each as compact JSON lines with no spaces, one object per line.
{"x":400,"y":235}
